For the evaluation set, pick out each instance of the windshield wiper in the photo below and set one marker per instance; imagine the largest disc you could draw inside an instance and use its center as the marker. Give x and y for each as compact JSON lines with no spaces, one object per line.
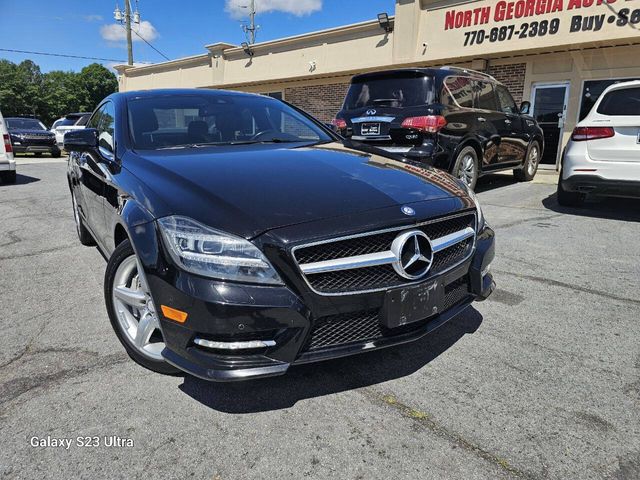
{"x":271,"y":140}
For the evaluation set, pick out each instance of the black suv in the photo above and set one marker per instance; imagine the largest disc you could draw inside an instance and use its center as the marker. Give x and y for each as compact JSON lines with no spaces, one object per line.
{"x":29,"y":135}
{"x":458,"y":120}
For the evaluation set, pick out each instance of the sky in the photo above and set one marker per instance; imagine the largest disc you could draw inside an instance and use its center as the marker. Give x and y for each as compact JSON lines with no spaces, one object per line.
{"x":176,"y":28}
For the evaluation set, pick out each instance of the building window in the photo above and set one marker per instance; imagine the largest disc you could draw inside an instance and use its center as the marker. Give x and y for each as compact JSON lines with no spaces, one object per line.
{"x":592,"y":90}
{"x":276,"y":95}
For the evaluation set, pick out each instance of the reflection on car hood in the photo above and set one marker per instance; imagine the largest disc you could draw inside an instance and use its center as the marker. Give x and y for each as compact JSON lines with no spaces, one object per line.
{"x":22,"y":131}
{"x":247,"y":190}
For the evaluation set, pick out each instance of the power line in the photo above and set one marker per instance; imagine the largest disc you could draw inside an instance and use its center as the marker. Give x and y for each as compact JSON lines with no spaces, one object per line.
{"x":62,"y":55}
{"x":145,"y":41}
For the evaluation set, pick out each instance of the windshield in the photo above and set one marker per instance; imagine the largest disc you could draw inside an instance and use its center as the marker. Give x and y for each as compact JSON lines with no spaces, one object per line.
{"x":184,"y":121}
{"x":400,"y":90}
{"x":82,"y":121}
{"x":24,"y":124}
{"x":65,"y":122}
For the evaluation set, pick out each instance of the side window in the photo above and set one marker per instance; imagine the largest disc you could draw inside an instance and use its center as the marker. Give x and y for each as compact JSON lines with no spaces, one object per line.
{"x":506,"y":102}
{"x":95,"y":118}
{"x":458,"y":90}
{"x":485,"y":98}
{"x":106,"y":127}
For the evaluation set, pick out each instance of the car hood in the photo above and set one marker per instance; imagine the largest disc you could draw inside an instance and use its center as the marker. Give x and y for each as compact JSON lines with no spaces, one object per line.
{"x":22,"y":131}
{"x":248,"y":190}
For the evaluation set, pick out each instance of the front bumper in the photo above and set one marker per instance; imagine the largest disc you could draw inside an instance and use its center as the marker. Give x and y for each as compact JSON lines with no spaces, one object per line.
{"x":227,"y":312}
{"x":36,"y":148}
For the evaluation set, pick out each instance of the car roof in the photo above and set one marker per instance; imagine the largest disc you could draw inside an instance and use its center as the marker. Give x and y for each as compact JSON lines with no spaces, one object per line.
{"x":163,"y":92}
{"x":622,"y":86}
{"x":440,"y":72}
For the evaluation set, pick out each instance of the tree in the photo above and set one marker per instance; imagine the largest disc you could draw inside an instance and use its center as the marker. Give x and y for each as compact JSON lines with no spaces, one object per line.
{"x":25,"y":90}
{"x":97,"y":82}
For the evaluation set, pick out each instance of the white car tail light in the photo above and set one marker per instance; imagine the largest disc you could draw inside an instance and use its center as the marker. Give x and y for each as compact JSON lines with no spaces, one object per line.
{"x":580,"y":134}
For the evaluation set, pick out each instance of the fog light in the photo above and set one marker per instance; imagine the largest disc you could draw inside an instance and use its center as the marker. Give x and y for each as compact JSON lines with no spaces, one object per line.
{"x":246,"y":345}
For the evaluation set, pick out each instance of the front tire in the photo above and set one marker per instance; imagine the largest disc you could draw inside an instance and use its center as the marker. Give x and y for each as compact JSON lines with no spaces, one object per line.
{"x":530,"y":166}
{"x":8,"y":177}
{"x":466,"y":167}
{"x":56,"y":153}
{"x":569,"y":199}
{"x":132,"y":312}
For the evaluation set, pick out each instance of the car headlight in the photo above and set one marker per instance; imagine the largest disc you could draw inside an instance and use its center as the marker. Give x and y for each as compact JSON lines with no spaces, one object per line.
{"x":205,"y":251}
{"x":481,"y":220}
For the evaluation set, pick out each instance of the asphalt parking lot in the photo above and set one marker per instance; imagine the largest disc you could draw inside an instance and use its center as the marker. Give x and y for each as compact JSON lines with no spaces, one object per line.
{"x":540,"y":381}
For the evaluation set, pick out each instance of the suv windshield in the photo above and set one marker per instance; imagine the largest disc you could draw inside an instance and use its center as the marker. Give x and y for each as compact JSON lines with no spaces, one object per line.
{"x":65,"y":122}
{"x":24,"y":124}
{"x":183,"y":121}
{"x":621,"y":102}
{"x":406,"y":89}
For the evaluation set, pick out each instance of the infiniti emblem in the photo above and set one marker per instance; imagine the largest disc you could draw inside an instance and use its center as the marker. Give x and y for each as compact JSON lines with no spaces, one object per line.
{"x":414,"y":254}
{"x":371,"y":112}
{"x":408,"y":211}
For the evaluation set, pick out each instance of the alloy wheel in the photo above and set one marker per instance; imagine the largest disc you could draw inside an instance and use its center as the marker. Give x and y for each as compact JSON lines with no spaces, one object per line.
{"x":532,"y":161}
{"x":135,"y":310}
{"x":467,"y":169}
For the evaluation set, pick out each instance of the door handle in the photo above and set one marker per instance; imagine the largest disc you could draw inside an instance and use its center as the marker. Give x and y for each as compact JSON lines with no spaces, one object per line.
{"x":507,"y":121}
{"x":482,"y":119}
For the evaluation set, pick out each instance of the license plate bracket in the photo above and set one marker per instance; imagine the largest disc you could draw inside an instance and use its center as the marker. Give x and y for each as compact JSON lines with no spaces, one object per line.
{"x":370,"y":129}
{"x":403,"y":306}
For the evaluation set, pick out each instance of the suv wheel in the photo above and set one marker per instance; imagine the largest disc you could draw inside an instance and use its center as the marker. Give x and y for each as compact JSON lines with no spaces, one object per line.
{"x":83,"y":234}
{"x":466,"y":167}
{"x":8,"y":177}
{"x":569,"y":199}
{"x":132,"y":312}
{"x":531,"y":162}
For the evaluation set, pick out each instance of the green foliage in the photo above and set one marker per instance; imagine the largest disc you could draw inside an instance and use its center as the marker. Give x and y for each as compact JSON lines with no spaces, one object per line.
{"x":25,"y":90}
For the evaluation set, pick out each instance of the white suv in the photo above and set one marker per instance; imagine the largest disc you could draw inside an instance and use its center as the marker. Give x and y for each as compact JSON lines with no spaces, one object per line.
{"x":603,"y":155}
{"x":7,"y":162}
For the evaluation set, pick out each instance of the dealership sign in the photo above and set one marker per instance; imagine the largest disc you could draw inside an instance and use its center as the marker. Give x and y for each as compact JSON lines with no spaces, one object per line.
{"x":530,"y":23}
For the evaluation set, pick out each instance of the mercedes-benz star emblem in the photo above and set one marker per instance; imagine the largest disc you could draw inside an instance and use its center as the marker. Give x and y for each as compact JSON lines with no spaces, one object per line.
{"x":408,"y":211}
{"x":371,"y":112}
{"x":414,"y":254}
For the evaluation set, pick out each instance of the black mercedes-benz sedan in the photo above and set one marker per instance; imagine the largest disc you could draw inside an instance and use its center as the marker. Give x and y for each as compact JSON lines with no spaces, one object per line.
{"x":243,"y":236}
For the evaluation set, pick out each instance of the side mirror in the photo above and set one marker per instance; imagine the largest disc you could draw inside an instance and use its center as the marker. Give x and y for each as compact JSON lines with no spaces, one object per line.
{"x":81,"y":140}
{"x":525,"y":107}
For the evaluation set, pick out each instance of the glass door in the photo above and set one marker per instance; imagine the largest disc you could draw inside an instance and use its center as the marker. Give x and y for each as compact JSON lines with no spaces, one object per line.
{"x":549,"y":102}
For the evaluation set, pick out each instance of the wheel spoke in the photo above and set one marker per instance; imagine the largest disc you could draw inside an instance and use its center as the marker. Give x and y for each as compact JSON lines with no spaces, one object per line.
{"x":133,"y":298}
{"x":147,"y":325}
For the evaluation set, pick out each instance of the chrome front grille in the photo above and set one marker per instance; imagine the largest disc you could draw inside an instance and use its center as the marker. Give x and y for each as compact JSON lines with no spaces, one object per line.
{"x":364,"y":262}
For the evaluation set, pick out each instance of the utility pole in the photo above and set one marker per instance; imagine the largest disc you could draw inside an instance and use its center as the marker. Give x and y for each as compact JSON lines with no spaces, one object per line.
{"x":251,"y":29}
{"x":126,"y":18}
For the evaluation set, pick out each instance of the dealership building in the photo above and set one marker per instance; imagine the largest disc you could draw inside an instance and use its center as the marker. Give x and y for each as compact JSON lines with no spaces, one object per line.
{"x":557,"y":54}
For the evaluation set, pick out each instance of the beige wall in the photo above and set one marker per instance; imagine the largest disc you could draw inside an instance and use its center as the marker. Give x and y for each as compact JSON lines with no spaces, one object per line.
{"x":576,"y":67}
{"x":310,"y":70}
{"x":426,"y":32}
